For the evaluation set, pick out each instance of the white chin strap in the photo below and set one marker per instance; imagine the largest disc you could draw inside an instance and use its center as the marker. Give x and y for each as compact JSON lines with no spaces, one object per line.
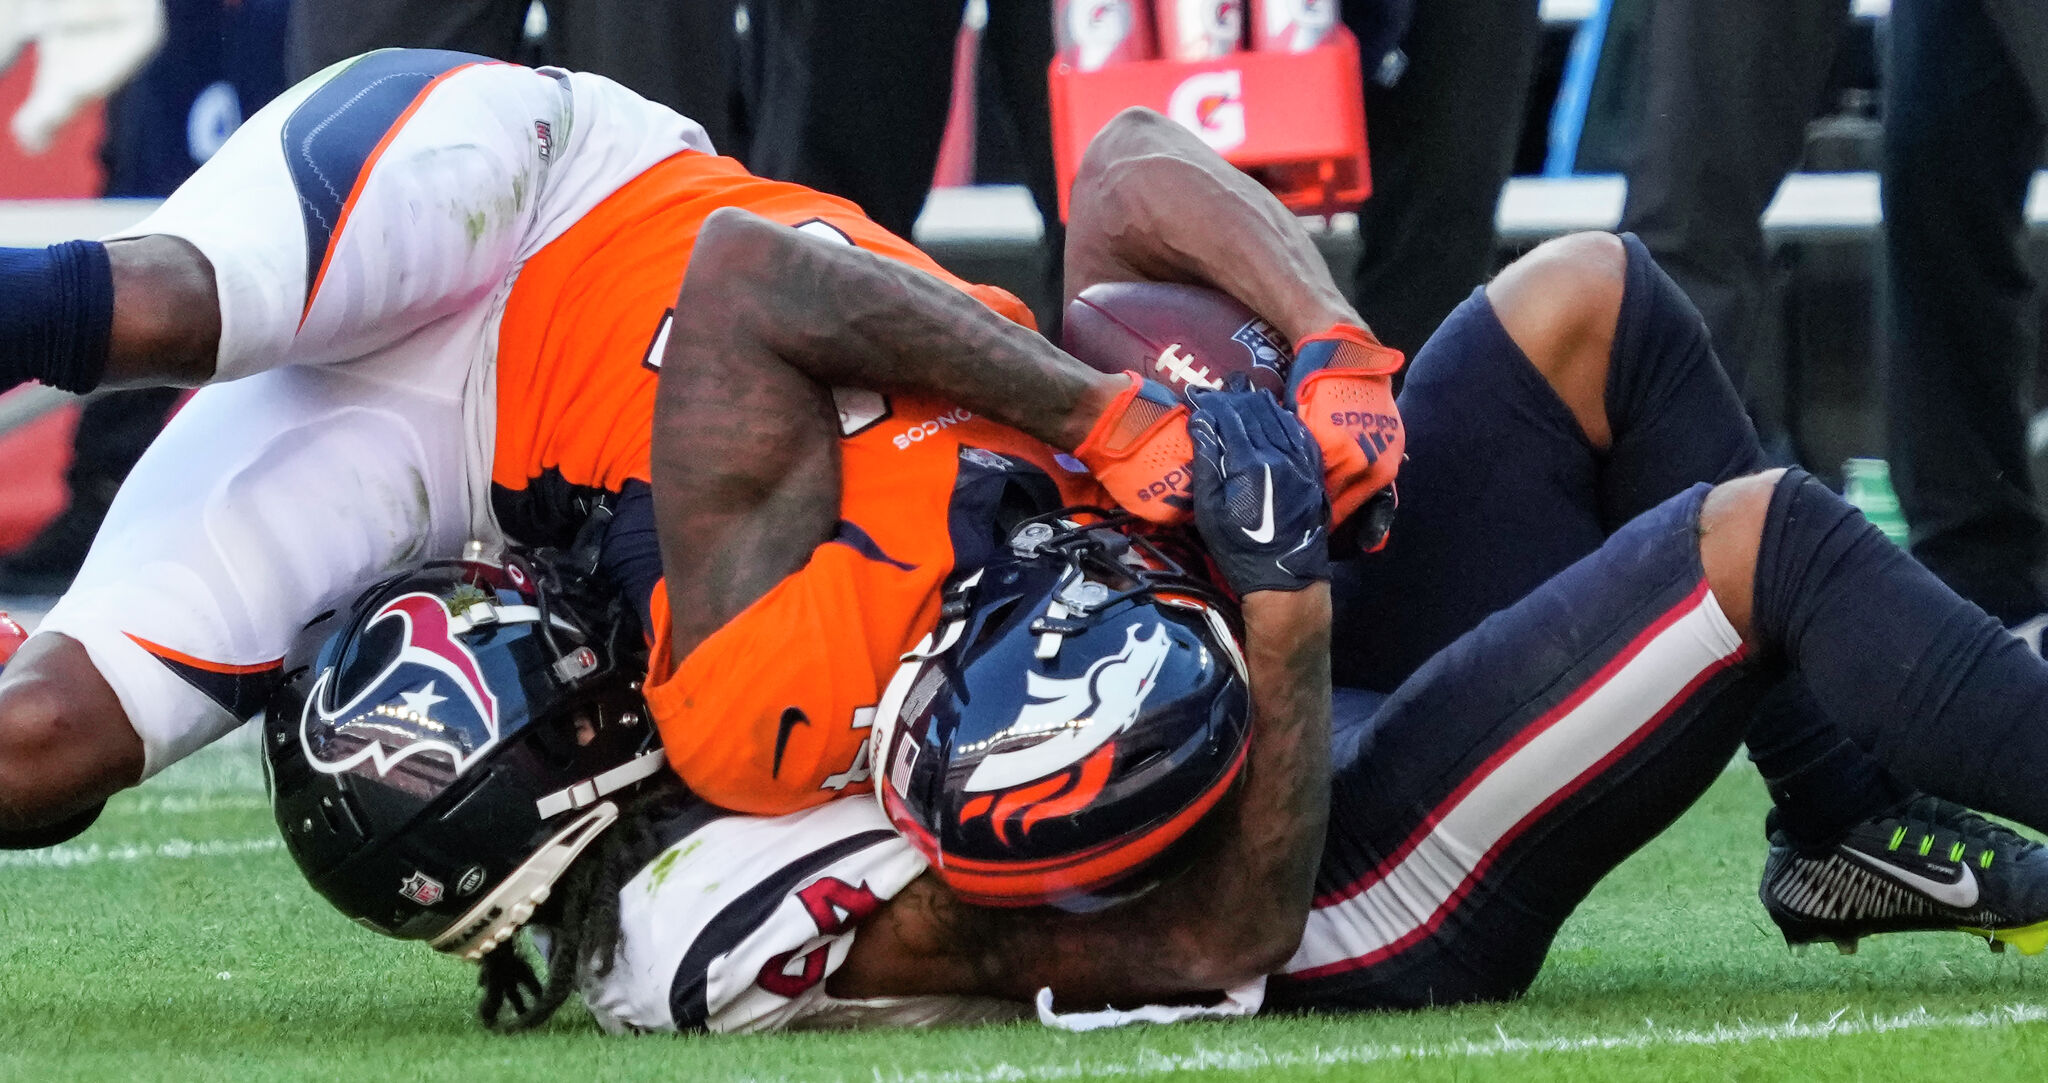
{"x":889,"y":711}
{"x":498,"y":915}
{"x":585,"y":793}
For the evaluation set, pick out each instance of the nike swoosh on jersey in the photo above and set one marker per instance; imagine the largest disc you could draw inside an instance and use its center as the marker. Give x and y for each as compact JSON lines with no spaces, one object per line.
{"x":1960,"y":893}
{"x":791,"y":719}
{"x":1265,"y":532}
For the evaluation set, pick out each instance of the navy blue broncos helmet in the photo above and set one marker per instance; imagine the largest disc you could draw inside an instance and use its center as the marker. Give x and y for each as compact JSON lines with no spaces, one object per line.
{"x":1081,"y":706}
{"x":459,"y":740}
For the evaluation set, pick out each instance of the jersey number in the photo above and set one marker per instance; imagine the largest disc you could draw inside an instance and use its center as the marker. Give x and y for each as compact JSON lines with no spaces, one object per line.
{"x":859,"y":410}
{"x":836,"y":906}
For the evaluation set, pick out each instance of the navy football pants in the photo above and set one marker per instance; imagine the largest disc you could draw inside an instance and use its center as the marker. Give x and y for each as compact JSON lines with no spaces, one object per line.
{"x":1563,"y":691}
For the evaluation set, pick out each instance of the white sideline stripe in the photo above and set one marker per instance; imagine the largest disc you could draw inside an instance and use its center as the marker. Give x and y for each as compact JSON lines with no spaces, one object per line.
{"x":1575,"y":11}
{"x":1530,"y":208}
{"x":71,"y":857}
{"x":1429,"y":878}
{"x":1149,"y":1063}
{"x":181,"y":804}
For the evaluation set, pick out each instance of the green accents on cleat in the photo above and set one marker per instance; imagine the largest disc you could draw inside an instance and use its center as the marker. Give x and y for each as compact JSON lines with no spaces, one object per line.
{"x":1869,"y":881}
{"x":2029,"y":939}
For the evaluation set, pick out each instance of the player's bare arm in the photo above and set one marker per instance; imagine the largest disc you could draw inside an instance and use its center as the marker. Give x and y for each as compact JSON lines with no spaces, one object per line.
{"x":85,"y":315}
{"x":166,"y":314}
{"x":847,"y":317}
{"x":65,"y":742}
{"x":744,"y":444}
{"x":1231,"y":917}
{"x":1152,"y":202}
{"x":1236,"y":914}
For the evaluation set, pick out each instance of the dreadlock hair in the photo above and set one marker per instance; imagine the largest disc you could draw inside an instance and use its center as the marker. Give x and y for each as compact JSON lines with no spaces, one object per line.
{"x":581,"y":916}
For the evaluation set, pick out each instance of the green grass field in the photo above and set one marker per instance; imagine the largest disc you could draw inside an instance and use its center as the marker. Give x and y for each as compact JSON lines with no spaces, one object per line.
{"x":174,"y":941}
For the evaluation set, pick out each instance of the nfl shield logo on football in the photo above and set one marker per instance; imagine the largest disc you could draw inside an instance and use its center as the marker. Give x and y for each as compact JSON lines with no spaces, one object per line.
{"x":421,"y":888}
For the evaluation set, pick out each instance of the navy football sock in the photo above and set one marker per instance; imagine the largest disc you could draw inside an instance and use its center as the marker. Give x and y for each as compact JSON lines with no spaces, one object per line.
{"x":1820,"y":781}
{"x":56,"y":315}
{"x":1676,"y":418}
{"x":1932,"y":685}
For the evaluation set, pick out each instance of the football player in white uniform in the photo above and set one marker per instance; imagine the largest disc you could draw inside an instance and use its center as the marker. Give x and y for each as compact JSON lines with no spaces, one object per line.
{"x":370,"y":285}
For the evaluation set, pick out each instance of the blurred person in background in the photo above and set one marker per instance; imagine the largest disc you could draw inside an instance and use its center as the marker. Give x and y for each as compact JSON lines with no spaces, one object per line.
{"x":213,"y":63}
{"x":1441,"y":129}
{"x":852,"y":99}
{"x":1965,"y":96}
{"x":676,"y":52}
{"x":1729,"y":87}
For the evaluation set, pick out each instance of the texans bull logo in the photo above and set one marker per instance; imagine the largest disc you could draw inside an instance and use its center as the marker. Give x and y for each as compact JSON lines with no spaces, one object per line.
{"x":1078,"y":720}
{"x":430,"y":698}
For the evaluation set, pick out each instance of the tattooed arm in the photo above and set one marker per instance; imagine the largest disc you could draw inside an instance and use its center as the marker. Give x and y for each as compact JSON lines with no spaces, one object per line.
{"x":848,"y":317}
{"x":1151,"y":202}
{"x":1234,"y":915}
{"x":745,"y":456}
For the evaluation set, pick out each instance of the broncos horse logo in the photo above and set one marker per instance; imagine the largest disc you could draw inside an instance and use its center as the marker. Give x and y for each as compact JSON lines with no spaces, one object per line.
{"x":1073,"y":721}
{"x":394,"y":717}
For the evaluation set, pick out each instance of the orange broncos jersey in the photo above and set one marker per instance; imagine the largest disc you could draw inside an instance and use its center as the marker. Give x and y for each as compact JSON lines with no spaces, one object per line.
{"x":579,"y":347}
{"x":771,"y":714}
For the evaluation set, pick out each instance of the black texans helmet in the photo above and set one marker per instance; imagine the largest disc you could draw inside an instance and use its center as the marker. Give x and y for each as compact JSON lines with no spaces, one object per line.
{"x":458,"y":741}
{"x":1081,"y":706}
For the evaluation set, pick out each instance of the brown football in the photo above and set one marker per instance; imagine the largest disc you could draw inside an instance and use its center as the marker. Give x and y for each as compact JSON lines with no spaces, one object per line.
{"x":1186,"y":337}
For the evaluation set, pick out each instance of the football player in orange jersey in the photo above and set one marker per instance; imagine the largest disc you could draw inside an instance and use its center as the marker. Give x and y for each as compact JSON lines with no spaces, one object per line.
{"x":842,"y":563}
{"x":357,"y":269}
{"x":432,"y":296}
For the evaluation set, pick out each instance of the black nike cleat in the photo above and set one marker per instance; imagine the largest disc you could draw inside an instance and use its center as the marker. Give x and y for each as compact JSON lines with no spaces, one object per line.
{"x":1928,"y":864}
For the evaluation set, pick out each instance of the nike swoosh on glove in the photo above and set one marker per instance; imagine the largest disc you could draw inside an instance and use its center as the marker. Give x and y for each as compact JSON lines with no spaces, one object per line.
{"x":1258,"y":491}
{"x":1139,"y":450}
{"x":1342,"y":387}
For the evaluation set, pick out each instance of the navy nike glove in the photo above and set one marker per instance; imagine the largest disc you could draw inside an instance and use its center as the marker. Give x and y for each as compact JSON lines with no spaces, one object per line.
{"x":1259,"y":499}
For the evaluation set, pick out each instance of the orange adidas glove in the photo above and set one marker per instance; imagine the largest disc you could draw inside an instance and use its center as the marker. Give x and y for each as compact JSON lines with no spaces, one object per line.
{"x":1140,"y":451}
{"x":1342,"y":387}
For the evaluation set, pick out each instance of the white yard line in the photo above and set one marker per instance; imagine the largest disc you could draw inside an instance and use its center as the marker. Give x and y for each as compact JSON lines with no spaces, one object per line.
{"x":1149,"y":1063}
{"x":173,"y":804}
{"x":71,"y":857}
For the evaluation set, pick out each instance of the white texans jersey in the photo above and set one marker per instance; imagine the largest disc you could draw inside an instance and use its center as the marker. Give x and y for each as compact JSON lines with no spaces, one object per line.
{"x":739,"y":923}
{"x":367,"y":233}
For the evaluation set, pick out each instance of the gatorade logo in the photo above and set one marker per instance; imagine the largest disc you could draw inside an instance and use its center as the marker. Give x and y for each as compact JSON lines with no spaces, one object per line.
{"x":1211,"y":105}
{"x":1099,"y":27}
